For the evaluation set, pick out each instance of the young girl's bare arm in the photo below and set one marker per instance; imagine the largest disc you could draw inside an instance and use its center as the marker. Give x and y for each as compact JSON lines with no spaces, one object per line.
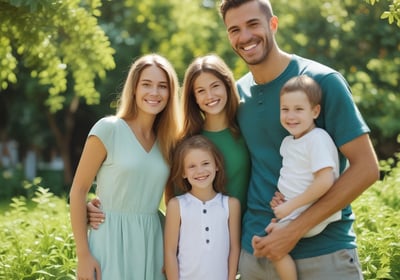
{"x":234,"y":237}
{"x":171,"y":238}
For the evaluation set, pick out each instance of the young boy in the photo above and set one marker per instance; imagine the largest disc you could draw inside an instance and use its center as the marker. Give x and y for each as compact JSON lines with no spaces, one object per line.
{"x":310,"y":161}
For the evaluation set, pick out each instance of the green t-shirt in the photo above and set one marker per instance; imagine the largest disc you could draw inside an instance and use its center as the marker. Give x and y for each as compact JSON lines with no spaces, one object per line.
{"x":258,"y":118}
{"x":236,"y":161}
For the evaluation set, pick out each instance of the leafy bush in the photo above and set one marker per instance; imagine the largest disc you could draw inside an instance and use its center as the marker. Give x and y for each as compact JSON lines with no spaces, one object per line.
{"x":378,"y":226}
{"x":13,"y":182}
{"x":37,"y":242}
{"x":36,"y":239}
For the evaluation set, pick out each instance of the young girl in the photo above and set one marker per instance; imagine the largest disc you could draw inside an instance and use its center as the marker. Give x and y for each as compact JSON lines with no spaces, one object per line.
{"x":310,"y":161}
{"x":202,"y":228}
{"x":128,"y":155}
{"x":210,"y":102}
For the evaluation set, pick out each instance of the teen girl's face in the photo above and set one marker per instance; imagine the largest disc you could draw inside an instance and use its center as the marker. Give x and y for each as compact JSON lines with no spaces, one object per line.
{"x":152,"y":91}
{"x":297,"y":114}
{"x":199,"y":169}
{"x":210,"y":94}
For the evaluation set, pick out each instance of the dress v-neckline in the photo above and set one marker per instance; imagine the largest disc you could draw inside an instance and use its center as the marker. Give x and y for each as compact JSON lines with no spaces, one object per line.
{"x":147,"y":151}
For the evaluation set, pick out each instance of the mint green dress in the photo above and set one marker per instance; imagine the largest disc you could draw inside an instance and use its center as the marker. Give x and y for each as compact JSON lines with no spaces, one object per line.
{"x":130,"y":183}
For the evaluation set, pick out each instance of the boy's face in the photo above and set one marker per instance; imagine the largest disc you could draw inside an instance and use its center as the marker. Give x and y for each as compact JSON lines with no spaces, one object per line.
{"x":297,"y":114}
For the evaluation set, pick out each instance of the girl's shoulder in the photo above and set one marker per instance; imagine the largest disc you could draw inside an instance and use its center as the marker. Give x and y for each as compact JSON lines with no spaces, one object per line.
{"x":173,"y":202}
{"x":234,"y":205}
{"x":173,"y":207}
{"x":233,"y":201}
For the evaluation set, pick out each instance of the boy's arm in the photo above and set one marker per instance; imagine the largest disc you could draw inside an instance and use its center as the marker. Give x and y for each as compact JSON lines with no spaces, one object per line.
{"x":234,"y":237}
{"x":171,"y":237}
{"x":323,"y":180}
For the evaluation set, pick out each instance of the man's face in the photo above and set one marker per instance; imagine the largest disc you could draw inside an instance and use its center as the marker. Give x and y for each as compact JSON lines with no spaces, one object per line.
{"x":249,"y":32}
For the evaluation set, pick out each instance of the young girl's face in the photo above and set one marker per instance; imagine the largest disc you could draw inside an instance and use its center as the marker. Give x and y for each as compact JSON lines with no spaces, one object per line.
{"x":210,"y":93}
{"x":297,"y":114}
{"x":199,"y":168}
{"x":152,"y":90}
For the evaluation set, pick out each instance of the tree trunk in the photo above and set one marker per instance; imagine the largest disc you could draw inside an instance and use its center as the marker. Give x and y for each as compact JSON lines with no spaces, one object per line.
{"x":63,"y":139}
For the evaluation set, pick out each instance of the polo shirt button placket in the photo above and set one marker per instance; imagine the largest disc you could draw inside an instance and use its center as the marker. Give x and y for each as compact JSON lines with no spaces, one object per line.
{"x":260,"y":101}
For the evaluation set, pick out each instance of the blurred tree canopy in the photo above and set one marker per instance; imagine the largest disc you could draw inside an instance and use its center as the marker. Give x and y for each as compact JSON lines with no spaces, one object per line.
{"x":393,"y":13}
{"x":52,"y":51}
{"x":63,"y":62}
{"x":54,"y":39}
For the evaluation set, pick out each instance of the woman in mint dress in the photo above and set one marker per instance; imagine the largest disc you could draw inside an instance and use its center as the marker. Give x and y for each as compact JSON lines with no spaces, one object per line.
{"x":127,"y":155}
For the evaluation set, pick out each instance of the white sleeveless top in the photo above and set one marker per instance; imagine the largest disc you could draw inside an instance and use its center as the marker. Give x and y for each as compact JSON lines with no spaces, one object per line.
{"x":204,"y":238}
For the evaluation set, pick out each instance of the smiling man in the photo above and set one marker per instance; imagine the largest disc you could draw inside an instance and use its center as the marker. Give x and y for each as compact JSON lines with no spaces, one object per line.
{"x":251,"y":27}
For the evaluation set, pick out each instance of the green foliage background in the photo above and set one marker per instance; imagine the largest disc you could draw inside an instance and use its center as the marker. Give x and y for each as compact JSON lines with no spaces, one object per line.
{"x":37,"y":243}
{"x":58,"y":58}
{"x":377,"y":227}
{"x":36,"y":239}
{"x":63,"y":62}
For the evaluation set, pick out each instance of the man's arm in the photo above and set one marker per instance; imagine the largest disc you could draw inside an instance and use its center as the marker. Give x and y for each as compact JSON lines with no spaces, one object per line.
{"x":362,"y":172}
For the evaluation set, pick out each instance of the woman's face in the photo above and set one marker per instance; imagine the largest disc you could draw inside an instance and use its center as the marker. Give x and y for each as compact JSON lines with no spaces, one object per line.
{"x":152,"y":91}
{"x":210,"y":93}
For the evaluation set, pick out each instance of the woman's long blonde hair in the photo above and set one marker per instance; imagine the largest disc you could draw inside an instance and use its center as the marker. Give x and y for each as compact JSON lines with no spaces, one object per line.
{"x":167,"y":123}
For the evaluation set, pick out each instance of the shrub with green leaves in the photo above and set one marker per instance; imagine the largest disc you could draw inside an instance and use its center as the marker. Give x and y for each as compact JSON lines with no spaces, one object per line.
{"x":378,"y":226}
{"x":37,"y":242}
{"x":36,"y":239}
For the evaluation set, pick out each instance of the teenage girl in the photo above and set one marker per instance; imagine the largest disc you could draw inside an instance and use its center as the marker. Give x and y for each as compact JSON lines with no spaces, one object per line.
{"x":210,"y":102}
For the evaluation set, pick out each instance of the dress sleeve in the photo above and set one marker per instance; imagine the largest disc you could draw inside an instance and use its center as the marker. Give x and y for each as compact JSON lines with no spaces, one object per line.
{"x":104,"y":129}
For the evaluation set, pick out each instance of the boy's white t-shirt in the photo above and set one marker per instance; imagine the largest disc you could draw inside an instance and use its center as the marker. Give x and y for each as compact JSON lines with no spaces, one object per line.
{"x":300,"y":159}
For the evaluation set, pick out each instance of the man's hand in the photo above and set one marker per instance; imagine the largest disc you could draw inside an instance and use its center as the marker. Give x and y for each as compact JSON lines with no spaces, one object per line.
{"x":278,"y":243}
{"x":94,"y":215}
